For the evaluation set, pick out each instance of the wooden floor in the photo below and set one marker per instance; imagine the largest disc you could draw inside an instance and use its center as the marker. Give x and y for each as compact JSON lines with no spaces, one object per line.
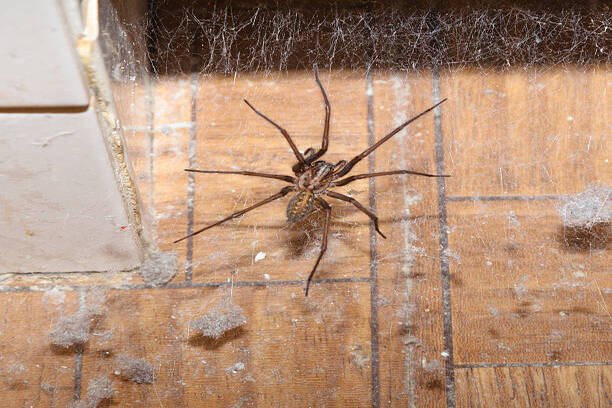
{"x":473,"y":300}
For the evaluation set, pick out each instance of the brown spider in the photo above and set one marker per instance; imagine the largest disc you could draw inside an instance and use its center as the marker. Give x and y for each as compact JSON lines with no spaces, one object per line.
{"x":314,"y":178}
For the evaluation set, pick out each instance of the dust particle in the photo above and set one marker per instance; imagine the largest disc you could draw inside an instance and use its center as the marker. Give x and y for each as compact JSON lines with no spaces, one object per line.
{"x":234,"y":369}
{"x":225,"y":316}
{"x":431,"y":366}
{"x":240,"y":403}
{"x":75,"y":329}
{"x":520,"y":288}
{"x":260,"y":256}
{"x":15,"y":375}
{"x":493,"y":310}
{"x":48,"y":388}
{"x":587,"y":209}
{"x":159,"y":268}
{"x":54,"y":296}
{"x":451,"y":255}
{"x":99,"y":390}
{"x":513,"y":220}
{"x":359,"y":358}
{"x":137,"y":370}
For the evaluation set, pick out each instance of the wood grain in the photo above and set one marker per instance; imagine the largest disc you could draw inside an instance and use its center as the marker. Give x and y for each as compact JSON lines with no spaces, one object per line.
{"x":519,"y":293}
{"x":409,"y":307}
{"x":32,"y":373}
{"x":526,"y":132}
{"x":534,"y":387}
{"x":316,"y":347}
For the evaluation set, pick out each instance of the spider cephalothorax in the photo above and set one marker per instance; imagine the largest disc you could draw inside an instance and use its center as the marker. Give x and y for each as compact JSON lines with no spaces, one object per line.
{"x":315,"y":178}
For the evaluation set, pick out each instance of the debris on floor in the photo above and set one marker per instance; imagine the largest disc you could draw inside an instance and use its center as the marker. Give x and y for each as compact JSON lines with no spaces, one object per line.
{"x":224,"y":317}
{"x":137,"y":370}
{"x":586,"y":218}
{"x":359,"y":357}
{"x":159,"y":268}
{"x":75,"y":330}
{"x":99,"y":390}
{"x":260,"y":256}
{"x":14,"y":374}
{"x":235,"y":368}
{"x":587,"y":209}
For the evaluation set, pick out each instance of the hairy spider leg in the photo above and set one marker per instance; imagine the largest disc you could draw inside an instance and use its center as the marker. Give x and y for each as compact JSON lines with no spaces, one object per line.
{"x":237,"y":214}
{"x":325,"y":141}
{"x":288,"y":179}
{"x":357,"y":204}
{"x":327,"y":208}
{"x":350,"y":179}
{"x":297,"y":153}
{"x":375,"y":146}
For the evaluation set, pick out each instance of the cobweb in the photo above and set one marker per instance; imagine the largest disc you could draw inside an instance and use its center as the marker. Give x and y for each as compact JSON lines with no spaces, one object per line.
{"x":224,"y":38}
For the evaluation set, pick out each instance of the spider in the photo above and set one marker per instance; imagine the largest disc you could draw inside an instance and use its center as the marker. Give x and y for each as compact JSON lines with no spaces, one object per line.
{"x":314,"y":179}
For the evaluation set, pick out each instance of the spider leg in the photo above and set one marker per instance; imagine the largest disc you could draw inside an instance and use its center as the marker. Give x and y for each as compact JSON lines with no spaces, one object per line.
{"x":237,"y":214}
{"x":288,"y":179}
{"x":350,"y":179}
{"x":325,"y":141}
{"x":375,"y":146}
{"x":357,"y":204}
{"x":283,"y":131}
{"x":327,"y":208}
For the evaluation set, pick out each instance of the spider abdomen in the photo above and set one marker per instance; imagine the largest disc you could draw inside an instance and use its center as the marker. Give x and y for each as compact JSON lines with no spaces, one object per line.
{"x":300,"y":206}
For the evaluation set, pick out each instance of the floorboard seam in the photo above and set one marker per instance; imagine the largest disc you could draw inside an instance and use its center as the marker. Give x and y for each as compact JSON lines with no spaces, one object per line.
{"x":191,"y":179}
{"x":536,"y":364}
{"x":373,"y":255}
{"x":443,"y":237}
{"x":544,"y":197}
{"x":78,"y":356}
{"x":188,"y":285}
{"x":150,"y":120}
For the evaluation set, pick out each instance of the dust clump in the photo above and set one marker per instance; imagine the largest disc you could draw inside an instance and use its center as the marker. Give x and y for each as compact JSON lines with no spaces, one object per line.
{"x":224,"y":317}
{"x":75,"y":330}
{"x":240,"y":403}
{"x":159,"y":268}
{"x":513,"y":220}
{"x":587,"y":209}
{"x":236,"y":368}
{"x":520,"y":287}
{"x":48,"y":388}
{"x":137,"y":370}
{"x":452,"y":255}
{"x":358,"y":357}
{"x":586,"y":218}
{"x":431,"y":366}
{"x":54,"y":296}
{"x":15,"y":375}
{"x":99,"y":390}
{"x":72,"y":330}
